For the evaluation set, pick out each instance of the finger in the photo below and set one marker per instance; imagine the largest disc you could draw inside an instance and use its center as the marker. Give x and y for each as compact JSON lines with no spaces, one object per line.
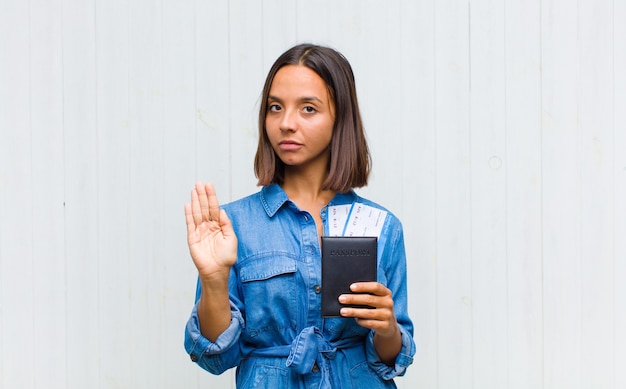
{"x":363,"y":299}
{"x":380,"y":315}
{"x":191,"y":225}
{"x":196,"y":211}
{"x":361,"y":313}
{"x":376,"y":325}
{"x":204,"y":201}
{"x":374,"y":288}
{"x":213,"y":204}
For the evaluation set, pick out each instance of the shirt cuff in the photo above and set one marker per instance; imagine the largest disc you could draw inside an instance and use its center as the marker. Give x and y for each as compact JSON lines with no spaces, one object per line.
{"x":403,"y":360}
{"x":198,"y":346}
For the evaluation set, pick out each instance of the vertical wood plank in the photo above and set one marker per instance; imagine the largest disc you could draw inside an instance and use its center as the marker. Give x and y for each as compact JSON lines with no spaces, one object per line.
{"x":213,"y":127}
{"x":561,"y":196}
{"x":190,"y":34}
{"x":374,"y":60}
{"x":113,"y":126}
{"x":16,"y":194}
{"x":488,"y":194}
{"x":619,"y":123}
{"x":597,"y":187}
{"x":246,"y":83}
{"x":312,"y":23}
{"x":523,"y":214}
{"x":81,"y":191}
{"x":279,"y":30}
{"x":416,"y":108}
{"x":46,"y":105}
{"x":344,"y":23}
{"x":619,"y":189}
{"x":453,"y":230}
{"x":145,"y":143}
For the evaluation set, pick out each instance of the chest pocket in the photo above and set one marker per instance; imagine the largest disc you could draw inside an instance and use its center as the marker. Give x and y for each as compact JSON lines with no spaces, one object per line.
{"x":268,"y":284}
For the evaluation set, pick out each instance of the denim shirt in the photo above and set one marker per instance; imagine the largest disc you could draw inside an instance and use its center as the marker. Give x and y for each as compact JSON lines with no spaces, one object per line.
{"x":277,"y":337}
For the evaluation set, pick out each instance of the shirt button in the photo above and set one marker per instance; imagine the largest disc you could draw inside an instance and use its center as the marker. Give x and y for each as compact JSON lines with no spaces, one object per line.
{"x":318,"y":289}
{"x":194,"y":357}
{"x":315,"y":368}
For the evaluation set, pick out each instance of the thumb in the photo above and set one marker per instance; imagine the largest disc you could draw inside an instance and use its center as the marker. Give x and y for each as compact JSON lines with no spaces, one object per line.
{"x":226,"y":225}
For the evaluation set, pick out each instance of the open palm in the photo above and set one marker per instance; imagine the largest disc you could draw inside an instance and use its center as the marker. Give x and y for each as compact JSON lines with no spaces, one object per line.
{"x":210,"y":235}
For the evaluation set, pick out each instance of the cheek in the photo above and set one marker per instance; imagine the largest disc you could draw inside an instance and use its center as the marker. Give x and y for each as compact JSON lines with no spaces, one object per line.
{"x":330,"y":131}
{"x":270,"y":129}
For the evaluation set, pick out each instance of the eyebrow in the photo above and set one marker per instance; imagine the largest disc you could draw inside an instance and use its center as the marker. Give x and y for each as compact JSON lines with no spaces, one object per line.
{"x":301,"y":99}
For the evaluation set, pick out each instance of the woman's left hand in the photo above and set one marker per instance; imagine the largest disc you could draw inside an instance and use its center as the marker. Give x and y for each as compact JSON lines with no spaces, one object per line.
{"x":380,"y":317}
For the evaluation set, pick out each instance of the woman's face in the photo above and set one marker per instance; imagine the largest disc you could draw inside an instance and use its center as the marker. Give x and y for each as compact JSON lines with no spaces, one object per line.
{"x":300,"y":117}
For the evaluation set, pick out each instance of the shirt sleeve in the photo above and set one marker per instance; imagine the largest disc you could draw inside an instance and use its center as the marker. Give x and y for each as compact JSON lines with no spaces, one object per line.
{"x":219,"y":356}
{"x":403,"y":360}
{"x":393,"y":261}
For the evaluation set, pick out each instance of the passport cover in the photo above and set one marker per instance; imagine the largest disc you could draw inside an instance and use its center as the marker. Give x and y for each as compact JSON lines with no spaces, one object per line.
{"x":345,"y":260}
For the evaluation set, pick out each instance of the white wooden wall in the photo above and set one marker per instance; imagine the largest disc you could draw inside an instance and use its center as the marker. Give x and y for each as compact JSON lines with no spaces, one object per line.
{"x":498,"y":131}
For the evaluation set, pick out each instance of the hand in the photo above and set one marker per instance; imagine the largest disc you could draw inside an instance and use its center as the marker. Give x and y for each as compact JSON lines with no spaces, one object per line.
{"x":210,"y":235}
{"x":381,"y":318}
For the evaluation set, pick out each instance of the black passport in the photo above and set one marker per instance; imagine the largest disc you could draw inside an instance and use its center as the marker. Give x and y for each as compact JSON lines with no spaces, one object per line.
{"x":345,"y":260}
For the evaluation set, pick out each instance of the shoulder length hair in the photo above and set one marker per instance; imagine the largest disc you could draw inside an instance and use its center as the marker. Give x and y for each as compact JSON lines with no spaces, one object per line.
{"x":350,"y":161}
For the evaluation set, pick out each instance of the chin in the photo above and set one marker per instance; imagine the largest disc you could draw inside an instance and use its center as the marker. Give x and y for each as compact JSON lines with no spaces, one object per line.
{"x":288,"y":161}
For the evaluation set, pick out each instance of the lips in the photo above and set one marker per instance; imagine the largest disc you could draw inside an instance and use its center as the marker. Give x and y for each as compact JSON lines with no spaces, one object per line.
{"x":288,"y":145}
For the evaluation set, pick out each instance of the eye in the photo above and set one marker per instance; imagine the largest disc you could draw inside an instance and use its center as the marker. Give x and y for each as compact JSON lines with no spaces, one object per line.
{"x":273,"y":108}
{"x":309,"y":109}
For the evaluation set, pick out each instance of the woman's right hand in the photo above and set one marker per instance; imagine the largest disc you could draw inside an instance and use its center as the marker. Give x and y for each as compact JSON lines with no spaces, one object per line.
{"x":210,"y":235}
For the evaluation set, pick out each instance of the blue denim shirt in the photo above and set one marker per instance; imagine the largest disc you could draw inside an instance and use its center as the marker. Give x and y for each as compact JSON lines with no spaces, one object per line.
{"x":277,"y":336}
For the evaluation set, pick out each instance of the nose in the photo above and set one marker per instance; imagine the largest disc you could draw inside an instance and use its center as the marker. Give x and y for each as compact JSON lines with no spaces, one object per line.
{"x":288,"y":121}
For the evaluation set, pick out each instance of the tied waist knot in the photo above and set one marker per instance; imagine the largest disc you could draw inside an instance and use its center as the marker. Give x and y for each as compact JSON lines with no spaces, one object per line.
{"x":308,"y":348}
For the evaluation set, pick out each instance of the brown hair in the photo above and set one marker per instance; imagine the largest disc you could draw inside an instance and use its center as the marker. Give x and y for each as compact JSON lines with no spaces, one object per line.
{"x":350,"y":161}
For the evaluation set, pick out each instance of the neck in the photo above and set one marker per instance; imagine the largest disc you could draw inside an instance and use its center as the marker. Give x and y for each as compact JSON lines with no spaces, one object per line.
{"x":307,"y":193}
{"x":305,"y":189}
{"x":299,"y":189}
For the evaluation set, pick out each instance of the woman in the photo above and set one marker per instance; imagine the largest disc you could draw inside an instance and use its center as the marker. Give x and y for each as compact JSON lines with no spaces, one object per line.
{"x":258,"y":259}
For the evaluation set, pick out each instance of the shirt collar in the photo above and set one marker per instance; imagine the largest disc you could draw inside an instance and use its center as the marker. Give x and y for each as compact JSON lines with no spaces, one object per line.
{"x":273,"y":197}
